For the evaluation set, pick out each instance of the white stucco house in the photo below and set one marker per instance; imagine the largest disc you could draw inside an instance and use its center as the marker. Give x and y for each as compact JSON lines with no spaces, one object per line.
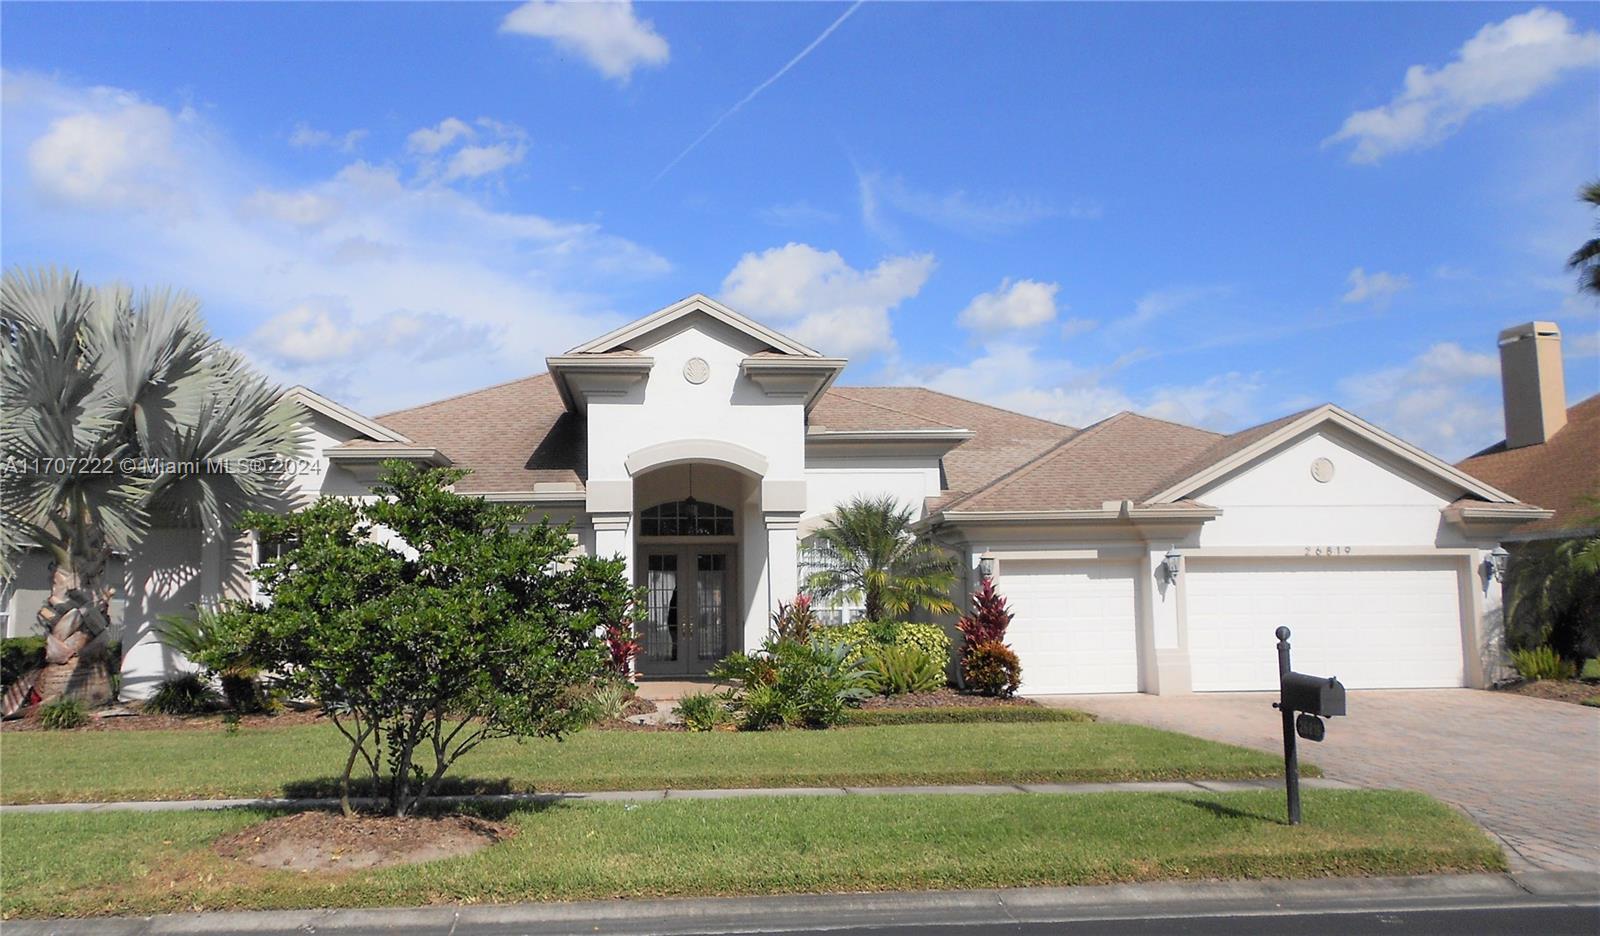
{"x":1139,"y":555}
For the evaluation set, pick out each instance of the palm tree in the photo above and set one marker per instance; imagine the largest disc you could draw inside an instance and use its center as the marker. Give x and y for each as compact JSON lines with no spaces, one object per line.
{"x":118,"y":414}
{"x":1586,"y":259}
{"x":875,"y":556}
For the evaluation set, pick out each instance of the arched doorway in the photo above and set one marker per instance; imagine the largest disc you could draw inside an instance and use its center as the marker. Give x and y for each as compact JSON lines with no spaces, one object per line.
{"x":687,"y":537}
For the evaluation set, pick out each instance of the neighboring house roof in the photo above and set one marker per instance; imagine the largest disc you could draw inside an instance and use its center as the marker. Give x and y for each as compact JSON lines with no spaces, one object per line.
{"x":1557,"y":473}
{"x":513,"y":436}
{"x":1119,"y":458}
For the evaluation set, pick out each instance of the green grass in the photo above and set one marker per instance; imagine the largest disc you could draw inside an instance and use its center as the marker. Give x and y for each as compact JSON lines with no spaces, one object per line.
{"x":962,"y":714}
{"x":102,"y":766}
{"x":127,"y":862}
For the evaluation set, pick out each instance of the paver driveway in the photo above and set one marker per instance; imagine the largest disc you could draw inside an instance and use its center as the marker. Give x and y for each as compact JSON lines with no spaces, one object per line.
{"x":1527,"y":769}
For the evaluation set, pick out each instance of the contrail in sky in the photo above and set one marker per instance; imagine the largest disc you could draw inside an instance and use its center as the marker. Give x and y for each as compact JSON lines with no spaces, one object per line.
{"x":758,"y":89}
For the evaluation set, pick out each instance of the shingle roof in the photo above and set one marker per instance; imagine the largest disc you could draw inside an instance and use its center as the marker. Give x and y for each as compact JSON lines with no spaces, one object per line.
{"x":512,"y":435}
{"x":1121,"y":457}
{"x":1556,"y":474}
{"x":1001,"y":439}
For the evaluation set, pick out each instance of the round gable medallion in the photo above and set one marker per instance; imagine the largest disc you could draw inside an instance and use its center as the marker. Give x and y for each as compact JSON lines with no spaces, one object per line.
{"x":1322,"y":470}
{"x":696,"y":370}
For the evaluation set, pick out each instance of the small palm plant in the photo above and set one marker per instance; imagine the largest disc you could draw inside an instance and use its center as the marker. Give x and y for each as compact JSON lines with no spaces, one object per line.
{"x":876,"y":558}
{"x":119,"y":413}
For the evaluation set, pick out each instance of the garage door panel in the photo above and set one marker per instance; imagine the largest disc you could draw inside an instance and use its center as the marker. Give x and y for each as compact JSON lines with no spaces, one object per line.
{"x":1373,"y":623}
{"x":1074,"y":625}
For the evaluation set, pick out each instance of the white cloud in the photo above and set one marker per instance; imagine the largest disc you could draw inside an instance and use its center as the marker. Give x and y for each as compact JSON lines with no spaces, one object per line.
{"x":1377,"y":287}
{"x":822,"y":300}
{"x":1445,"y":399}
{"x":471,"y":160}
{"x":958,"y":210}
{"x":1073,"y":327}
{"x":301,"y":209}
{"x":305,"y":136}
{"x":429,"y":140}
{"x":1013,"y":375}
{"x":312,"y":333}
{"x":410,"y":267}
{"x":112,"y":150}
{"x":1504,"y":64}
{"x":1160,"y":303}
{"x":1013,"y":305}
{"x":607,"y":34}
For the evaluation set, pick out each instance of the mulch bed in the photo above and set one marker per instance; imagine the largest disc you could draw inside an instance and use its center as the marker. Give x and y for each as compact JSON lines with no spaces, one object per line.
{"x":325,"y":841}
{"x":102,"y":720}
{"x":1558,"y":690}
{"x":940,"y":698}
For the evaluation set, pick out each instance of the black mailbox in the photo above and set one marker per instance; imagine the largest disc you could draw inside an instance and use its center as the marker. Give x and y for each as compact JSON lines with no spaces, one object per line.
{"x":1319,"y":695}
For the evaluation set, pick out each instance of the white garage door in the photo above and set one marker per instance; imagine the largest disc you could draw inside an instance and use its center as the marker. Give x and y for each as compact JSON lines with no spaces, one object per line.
{"x":1074,"y":628}
{"x":1373,"y":623}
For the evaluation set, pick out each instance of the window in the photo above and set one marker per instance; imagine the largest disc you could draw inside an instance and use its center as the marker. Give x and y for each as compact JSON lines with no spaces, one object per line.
{"x":817,"y":556}
{"x":686,"y":518}
{"x":264,"y":550}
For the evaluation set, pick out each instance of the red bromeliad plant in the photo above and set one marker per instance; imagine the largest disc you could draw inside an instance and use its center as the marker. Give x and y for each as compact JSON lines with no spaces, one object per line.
{"x":989,"y":618}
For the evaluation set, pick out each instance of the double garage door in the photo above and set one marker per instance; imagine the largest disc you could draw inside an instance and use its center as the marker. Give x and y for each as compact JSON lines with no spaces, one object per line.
{"x":1390,"y":623}
{"x":1374,"y":623}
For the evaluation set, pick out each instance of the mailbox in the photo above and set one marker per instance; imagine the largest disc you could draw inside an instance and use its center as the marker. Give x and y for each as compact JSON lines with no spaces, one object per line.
{"x":1319,"y":695}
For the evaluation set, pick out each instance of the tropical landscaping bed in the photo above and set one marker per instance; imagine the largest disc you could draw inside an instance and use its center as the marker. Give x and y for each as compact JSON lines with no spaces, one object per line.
{"x":127,"y":862}
{"x":299,"y":761}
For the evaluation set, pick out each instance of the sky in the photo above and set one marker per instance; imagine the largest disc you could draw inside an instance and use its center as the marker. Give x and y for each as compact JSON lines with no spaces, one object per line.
{"x":1215,"y":214}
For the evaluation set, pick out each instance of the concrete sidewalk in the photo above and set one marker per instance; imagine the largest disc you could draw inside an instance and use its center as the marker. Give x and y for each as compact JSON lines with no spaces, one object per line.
{"x":635,"y":796}
{"x":1171,"y":902}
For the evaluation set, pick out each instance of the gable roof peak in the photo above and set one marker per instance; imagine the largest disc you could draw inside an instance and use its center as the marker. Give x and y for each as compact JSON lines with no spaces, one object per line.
{"x":617,"y":339}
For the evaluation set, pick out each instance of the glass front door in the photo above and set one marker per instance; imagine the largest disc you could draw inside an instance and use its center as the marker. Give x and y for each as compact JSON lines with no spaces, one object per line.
{"x":688,"y":592}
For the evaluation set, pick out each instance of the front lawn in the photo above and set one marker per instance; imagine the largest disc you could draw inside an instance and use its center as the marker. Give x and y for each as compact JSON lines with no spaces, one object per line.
{"x":138,"y":863}
{"x":39,"y":767}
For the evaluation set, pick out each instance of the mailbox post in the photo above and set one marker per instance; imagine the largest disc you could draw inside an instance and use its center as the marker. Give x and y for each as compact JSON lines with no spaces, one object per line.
{"x":1314,"y":698}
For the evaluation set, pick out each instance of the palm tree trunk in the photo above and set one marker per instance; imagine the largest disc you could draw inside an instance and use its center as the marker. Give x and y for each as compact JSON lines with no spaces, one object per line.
{"x":77,"y":624}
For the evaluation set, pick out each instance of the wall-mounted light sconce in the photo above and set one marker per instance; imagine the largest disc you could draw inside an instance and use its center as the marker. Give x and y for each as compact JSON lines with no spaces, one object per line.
{"x":986,"y":565}
{"x":1494,"y":564}
{"x":1170,"y":562}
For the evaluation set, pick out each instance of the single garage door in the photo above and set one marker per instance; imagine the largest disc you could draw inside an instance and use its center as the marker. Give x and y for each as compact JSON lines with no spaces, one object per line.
{"x":1387,"y":623}
{"x":1074,"y":628}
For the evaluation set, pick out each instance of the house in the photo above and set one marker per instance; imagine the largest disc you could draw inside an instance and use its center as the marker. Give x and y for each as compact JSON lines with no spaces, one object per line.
{"x":1549,"y":454}
{"x":1139,"y":555}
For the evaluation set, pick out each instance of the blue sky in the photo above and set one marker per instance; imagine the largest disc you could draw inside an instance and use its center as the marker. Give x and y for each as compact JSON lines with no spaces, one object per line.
{"x":1208,"y":213}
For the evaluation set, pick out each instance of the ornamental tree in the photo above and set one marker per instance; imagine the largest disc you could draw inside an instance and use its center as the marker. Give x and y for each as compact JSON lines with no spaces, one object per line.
{"x":425,"y":623}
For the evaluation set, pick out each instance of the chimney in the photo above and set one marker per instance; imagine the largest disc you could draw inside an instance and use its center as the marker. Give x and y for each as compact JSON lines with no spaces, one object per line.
{"x":1534,"y":388}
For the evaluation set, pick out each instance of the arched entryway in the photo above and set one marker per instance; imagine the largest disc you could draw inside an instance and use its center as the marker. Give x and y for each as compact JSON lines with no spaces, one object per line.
{"x":689,"y":541}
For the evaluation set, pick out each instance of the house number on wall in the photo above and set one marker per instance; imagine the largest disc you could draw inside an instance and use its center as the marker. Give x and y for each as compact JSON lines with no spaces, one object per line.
{"x":1327,"y":550}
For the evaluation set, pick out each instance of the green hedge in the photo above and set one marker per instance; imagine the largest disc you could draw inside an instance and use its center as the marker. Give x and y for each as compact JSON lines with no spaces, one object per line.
{"x":860,"y":718}
{"x":18,"y":655}
{"x":929,"y":638}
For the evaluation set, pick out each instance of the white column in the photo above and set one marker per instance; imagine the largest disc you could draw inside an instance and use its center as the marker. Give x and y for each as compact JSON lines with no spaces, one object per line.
{"x":783,"y":560}
{"x":1486,"y":655}
{"x":1165,"y":670}
{"x":613,"y":536}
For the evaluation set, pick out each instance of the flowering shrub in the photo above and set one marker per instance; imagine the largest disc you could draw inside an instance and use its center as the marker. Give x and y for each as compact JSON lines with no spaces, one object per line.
{"x":621,"y":647}
{"x":794,"y":621}
{"x":992,"y":669}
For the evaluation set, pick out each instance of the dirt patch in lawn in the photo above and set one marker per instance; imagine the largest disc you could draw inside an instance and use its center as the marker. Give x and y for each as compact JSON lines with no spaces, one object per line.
{"x":1575,"y":691}
{"x":941,"y":698}
{"x":325,"y":841}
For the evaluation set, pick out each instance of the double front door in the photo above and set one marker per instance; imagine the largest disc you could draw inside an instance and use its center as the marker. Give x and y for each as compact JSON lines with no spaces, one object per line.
{"x":688,"y":599}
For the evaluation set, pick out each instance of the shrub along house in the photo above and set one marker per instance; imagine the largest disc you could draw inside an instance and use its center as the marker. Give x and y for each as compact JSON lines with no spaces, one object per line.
{"x":1139,"y":555}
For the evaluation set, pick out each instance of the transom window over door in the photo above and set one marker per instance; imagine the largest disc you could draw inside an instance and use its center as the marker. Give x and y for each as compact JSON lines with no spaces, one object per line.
{"x":686,"y":518}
